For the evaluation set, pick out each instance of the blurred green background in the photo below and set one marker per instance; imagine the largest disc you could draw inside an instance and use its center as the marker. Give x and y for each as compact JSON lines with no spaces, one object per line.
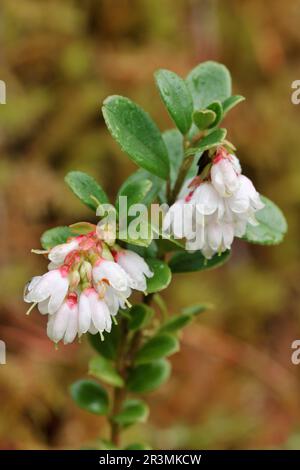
{"x":233,"y":384}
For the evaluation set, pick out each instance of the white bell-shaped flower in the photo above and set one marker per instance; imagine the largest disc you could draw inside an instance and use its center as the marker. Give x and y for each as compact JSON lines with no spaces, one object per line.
{"x":224,"y":175}
{"x":111,"y":273}
{"x":48,"y":290}
{"x":94,"y":314}
{"x":178,"y":221}
{"x":58,"y":253}
{"x":136,"y":268}
{"x":63,"y":325}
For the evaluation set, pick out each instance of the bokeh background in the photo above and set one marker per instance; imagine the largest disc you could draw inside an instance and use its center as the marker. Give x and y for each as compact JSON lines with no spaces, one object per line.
{"x":233,"y":384}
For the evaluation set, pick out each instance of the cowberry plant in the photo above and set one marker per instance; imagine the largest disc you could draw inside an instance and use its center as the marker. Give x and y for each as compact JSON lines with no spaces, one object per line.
{"x":93,"y":269}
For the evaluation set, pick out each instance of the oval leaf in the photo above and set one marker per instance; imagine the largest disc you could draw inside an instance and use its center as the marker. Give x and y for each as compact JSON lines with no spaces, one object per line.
{"x":208,"y":82}
{"x":213,"y":139}
{"x":147,"y":377}
{"x":133,"y":411}
{"x":55,"y":236}
{"x":271,"y":228}
{"x":104,"y":370}
{"x":86,"y":188}
{"x":176,"y":323}
{"x":90,"y":396}
{"x":231,"y":102}
{"x":161,"y":275}
{"x":176,"y":97}
{"x":190,"y":262}
{"x":139,"y":316}
{"x":137,"y":134}
{"x":174,"y":143}
{"x":157,"y":347}
{"x":135,"y":191}
{"x":141,"y":175}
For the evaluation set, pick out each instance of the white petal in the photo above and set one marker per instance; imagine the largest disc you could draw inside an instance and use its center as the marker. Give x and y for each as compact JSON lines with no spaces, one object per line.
{"x":58,"y":254}
{"x":72,"y":327}
{"x":29,"y":286}
{"x":85,"y":314}
{"x":99,"y":312}
{"x":60,"y":323}
{"x":58,"y":294}
{"x":43,"y":307}
{"x":207,"y":199}
{"x":112,"y":272}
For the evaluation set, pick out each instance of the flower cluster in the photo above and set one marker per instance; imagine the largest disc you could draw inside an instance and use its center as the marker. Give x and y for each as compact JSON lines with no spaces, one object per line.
{"x":214,"y":209}
{"x":86,"y":284}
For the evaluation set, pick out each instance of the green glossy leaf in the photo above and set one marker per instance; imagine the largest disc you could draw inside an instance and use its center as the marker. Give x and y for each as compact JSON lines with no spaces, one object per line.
{"x":133,"y":411}
{"x":189,"y":262}
{"x":90,"y":396}
{"x":108,"y":347}
{"x":203,"y":118}
{"x":86,"y":188}
{"x":174,"y":143}
{"x":217,"y":108}
{"x":231,"y":102}
{"x":147,"y":377}
{"x":176,"y":97}
{"x":176,"y":323}
{"x":137,"y":134}
{"x":140,"y":176}
{"x":161,"y":275}
{"x":103,"y":369}
{"x":165,"y":240}
{"x":135,"y":192}
{"x":55,"y":236}
{"x":160,"y":345}
{"x":143,"y":236}
{"x":213,"y":139}
{"x":272,"y":225}
{"x":139,"y":316}
{"x":208,"y":82}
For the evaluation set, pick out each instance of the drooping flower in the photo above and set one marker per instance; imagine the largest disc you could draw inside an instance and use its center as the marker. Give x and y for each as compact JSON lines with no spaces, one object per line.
{"x":179,"y":219}
{"x":49,"y":290}
{"x":94,"y":313}
{"x":85,"y":286}
{"x":63,"y":324}
{"x":136,"y":268}
{"x":111,"y":273}
{"x":246,"y":199}
{"x":227,"y":202}
{"x":224,"y":175}
{"x":58,"y":254}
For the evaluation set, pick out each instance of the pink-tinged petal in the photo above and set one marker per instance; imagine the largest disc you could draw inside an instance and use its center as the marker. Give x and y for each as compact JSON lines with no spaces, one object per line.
{"x":58,"y":254}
